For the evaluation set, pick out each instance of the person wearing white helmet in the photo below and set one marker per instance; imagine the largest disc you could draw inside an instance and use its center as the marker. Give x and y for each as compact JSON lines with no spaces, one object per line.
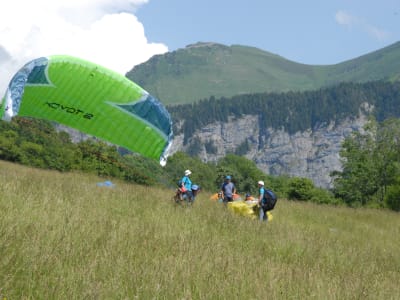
{"x":187,"y":184}
{"x":262,"y":214}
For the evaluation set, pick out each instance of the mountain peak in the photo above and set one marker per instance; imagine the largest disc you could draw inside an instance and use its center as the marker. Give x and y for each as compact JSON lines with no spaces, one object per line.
{"x":203,"y":44}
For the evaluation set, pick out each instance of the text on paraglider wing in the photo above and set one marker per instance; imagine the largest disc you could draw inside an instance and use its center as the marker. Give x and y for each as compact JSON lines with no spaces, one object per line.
{"x":70,"y":110}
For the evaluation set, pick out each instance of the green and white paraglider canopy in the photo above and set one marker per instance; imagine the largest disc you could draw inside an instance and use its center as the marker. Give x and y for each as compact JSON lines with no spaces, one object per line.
{"x":92,"y":99}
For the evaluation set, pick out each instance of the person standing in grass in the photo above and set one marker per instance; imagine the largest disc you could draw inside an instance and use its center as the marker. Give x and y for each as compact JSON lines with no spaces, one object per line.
{"x":228,"y":189}
{"x":187,"y":184}
{"x":262,"y":214}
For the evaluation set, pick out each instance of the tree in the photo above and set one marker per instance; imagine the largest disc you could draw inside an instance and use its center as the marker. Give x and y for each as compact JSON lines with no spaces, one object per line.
{"x":358,"y":180}
{"x":300,"y":189}
{"x":387,"y":154}
{"x":371,"y":164}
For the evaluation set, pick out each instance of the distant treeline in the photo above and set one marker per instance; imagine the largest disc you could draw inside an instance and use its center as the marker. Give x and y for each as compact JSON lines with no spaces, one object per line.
{"x":36,"y":143}
{"x":293,"y":111}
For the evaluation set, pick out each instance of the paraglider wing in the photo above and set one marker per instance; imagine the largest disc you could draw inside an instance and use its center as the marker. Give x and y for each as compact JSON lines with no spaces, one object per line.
{"x":93,"y":100}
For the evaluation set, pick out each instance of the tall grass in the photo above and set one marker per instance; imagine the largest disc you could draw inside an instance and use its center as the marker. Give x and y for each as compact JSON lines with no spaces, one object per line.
{"x":64,"y":237}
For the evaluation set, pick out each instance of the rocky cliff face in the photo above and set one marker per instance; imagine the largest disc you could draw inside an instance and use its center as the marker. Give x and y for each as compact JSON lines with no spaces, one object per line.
{"x":312,"y":154}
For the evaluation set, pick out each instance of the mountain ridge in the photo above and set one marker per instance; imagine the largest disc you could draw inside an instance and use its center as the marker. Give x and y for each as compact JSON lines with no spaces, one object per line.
{"x":205,"y":69}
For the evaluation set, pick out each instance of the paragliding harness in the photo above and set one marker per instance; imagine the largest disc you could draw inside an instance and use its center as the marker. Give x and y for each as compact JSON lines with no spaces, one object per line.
{"x":190,"y":195}
{"x":269,"y":200}
{"x":181,"y":187}
{"x":178,"y":197}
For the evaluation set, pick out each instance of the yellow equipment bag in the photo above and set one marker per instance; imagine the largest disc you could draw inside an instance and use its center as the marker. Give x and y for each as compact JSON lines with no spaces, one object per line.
{"x":249,"y":210}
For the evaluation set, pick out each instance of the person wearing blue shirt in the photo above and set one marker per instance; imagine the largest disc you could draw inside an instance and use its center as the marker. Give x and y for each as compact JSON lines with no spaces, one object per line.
{"x":228,"y":189}
{"x":187,"y":183}
{"x":262,"y":214}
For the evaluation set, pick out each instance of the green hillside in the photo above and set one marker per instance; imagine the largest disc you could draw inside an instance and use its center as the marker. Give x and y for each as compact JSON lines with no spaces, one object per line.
{"x":63,"y":237}
{"x":203,"y":70}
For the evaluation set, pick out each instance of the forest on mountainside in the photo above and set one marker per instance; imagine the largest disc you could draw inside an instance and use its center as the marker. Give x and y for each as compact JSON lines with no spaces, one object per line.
{"x":293,"y":111}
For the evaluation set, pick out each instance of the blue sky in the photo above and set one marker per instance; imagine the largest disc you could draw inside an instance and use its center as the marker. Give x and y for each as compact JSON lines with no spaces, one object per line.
{"x":120,"y":34}
{"x":307,"y":31}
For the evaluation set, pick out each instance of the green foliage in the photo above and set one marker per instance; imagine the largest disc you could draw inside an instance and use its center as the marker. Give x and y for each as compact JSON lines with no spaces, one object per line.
{"x":9,"y":149}
{"x":245,"y":175}
{"x":141,"y":170}
{"x":300,"y":189}
{"x":392,"y":196}
{"x":36,"y":143}
{"x":371,"y":166}
{"x":357,"y":182}
{"x":33,"y":154}
{"x":323,"y":196}
{"x":202,"y":174}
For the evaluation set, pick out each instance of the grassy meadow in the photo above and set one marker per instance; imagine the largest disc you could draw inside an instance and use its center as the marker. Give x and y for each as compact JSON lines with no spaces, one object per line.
{"x":64,"y":237}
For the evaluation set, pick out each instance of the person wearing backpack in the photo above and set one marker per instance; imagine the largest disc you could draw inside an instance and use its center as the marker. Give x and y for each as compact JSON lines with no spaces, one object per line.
{"x":261,"y":202}
{"x":266,"y":201}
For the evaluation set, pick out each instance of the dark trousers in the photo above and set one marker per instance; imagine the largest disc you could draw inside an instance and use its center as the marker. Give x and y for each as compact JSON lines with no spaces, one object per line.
{"x":228,"y":199}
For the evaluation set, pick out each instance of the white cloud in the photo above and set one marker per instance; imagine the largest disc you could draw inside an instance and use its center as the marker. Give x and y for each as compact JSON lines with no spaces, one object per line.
{"x":102,"y":31}
{"x":345,"y":19}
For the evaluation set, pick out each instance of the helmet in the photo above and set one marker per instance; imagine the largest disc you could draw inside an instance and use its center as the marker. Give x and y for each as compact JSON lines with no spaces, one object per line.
{"x":261,"y":182}
{"x":228,"y":177}
{"x":188,"y":172}
{"x":195,"y":187}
